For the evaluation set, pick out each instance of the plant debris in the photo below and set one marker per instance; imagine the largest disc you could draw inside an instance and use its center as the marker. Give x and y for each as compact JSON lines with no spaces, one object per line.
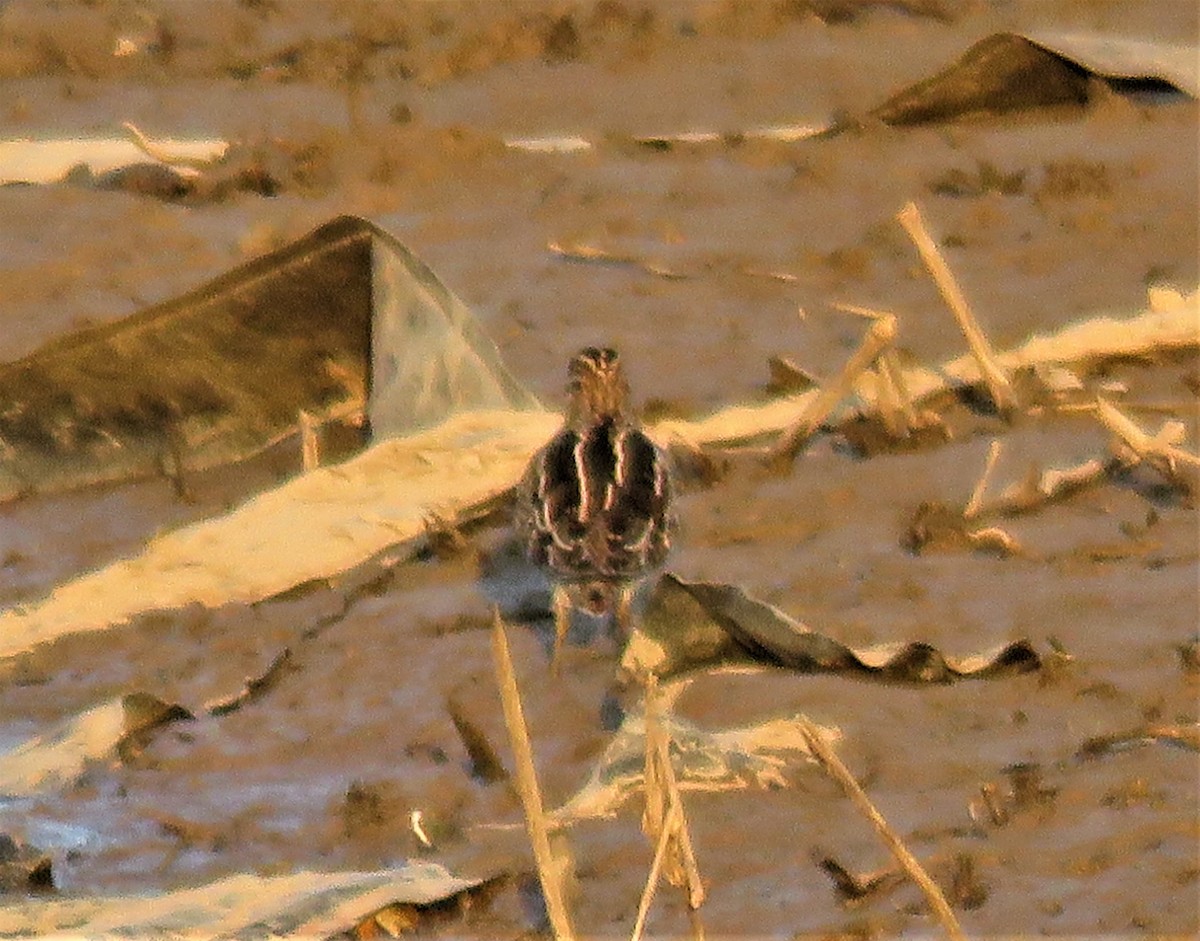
{"x":255,"y":687}
{"x":1180,"y":736}
{"x":120,"y":728}
{"x":24,"y":868}
{"x":692,"y":627}
{"x":936,"y":527}
{"x":753,"y":756}
{"x":485,"y":762}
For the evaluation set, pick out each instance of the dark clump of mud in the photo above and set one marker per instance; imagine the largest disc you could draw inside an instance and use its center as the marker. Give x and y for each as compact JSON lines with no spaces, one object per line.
{"x":23,"y":868}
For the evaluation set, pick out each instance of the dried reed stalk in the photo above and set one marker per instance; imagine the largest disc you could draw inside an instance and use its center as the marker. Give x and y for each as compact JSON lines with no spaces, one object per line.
{"x":892,"y":398}
{"x":686,"y":873}
{"x":255,"y":686}
{"x":310,"y":447}
{"x":976,"y":501}
{"x":829,"y":760}
{"x":692,"y":884}
{"x":878,"y":339}
{"x":1159,"y":450}
{"x":1003,"y":394}
{"x":669,"y":825}
{"x":654,"y":782}
{"x":887,"y":400}
{"x":894,"y":374}
{"x":527,"y":785}
{"x":189,"y":167}
{"x":1040,"y":488}
{"x":589,"y":253}
{"x":665,"y":821}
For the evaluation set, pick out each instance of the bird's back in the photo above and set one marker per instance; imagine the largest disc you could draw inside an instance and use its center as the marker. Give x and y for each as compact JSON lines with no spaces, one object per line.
{"x":595,"y":503}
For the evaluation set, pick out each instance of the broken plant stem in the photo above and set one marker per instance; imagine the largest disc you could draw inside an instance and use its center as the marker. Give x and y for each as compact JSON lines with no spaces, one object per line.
{"x":693,"y":886}
{"x":660,"y":854}
{"x":878,"y":338}
{"x":887,"y":401}
{"x":1158,"y":449}
{"x":184,"y":166}
{"x":829,"y":760}
{"x":976,"y":501}
{"x":527,"y":784}
{"x":255,"y":686}
{"x":656,"y":806}
{"x":691,"y":883}
{"x":664,"y":820}
{"x":589,"y":253}
{"x":310,"y":447}
{"x":860,"y":310}
{"x":894,"y":374}
{"x":658,"y":735}
{"x":1041,"y":488}
{"x":1003,"y":394}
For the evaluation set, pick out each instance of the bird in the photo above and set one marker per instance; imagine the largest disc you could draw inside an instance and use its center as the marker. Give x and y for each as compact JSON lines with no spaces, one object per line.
{"x":595,"y":504}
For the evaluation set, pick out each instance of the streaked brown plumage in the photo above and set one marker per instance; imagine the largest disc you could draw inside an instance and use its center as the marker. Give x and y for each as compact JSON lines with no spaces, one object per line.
{"x":594,"y":507}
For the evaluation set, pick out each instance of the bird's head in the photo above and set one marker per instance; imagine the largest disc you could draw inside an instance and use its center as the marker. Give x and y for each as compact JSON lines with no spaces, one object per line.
{"x":597,"y":385}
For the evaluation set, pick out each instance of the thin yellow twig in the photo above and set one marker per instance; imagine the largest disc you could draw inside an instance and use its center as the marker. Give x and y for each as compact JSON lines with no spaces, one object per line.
{"x":310,"y":446}
{"x":664,"y":821}
{"x":692,"y":885}
{"x":686,"y":872}
{"x":829,"y":760}
{"x":890,"y":368}
{"x":976,"y":500}
{"x":1157,"y":449}
{"x":527,"y":784}
{"x":998,"y":384}
{"x":861,"y":310}
{"x":185,"y":166}
{"x":887,"y":401}
{"x":878,"y":338}
{"x":589,"y":253}
{"x":660,"y":855}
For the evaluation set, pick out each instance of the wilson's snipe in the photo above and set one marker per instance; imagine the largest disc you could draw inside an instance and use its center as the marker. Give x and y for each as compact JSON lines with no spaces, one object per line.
{"x":595,"y":504}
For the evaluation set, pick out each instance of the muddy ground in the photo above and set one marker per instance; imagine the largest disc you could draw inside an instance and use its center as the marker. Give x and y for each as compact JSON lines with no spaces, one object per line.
{"x":398,"y":112}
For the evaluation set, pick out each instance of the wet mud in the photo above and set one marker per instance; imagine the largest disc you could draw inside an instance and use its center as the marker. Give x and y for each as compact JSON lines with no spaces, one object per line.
{"x":1062,"y":801}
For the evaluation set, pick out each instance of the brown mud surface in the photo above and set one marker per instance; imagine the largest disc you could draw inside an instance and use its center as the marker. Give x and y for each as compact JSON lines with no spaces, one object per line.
{"x":399,"y":112}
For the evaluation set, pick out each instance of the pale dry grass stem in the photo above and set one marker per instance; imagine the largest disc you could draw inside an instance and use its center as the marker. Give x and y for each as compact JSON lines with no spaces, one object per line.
{"x":994,"y":375}
{"x":879,"y":337}
{"x":828,"y":759}
{"x":310,"y":445}
{"x":976,"y":501}
{"x":1160,"y":450}
{"x":664,"y":822}
{"x":550,"y":868}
